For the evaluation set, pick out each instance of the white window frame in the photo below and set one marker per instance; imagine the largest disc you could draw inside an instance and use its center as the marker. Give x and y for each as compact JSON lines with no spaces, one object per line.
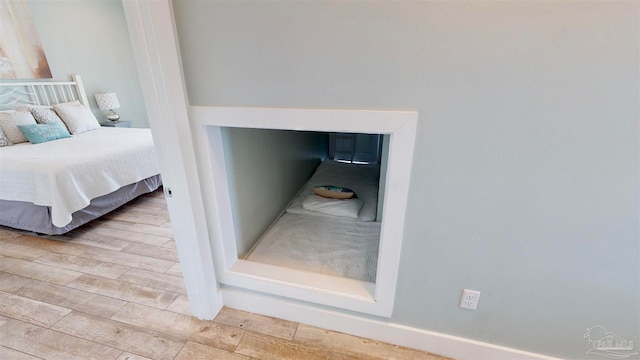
{"x":374,"y":153}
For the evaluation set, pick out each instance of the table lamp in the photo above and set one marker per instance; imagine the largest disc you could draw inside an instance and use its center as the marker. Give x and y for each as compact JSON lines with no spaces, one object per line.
{"x":109,"y":101}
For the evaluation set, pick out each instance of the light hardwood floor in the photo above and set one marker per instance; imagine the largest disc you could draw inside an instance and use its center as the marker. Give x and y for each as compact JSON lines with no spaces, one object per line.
{"x":113,"y":289}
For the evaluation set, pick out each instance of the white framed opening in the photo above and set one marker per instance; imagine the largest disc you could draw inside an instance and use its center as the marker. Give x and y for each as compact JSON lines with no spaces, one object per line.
{"x":344,"y":293}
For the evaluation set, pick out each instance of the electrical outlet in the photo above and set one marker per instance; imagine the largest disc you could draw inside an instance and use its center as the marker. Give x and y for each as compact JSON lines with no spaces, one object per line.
{"x":469,"y":299}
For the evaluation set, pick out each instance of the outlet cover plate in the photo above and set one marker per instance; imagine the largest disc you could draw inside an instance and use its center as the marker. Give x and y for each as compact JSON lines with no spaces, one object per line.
{"x":469,"y":299}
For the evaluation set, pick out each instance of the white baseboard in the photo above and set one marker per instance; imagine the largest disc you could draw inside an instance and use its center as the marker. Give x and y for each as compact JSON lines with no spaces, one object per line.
{"x":429,"y":341}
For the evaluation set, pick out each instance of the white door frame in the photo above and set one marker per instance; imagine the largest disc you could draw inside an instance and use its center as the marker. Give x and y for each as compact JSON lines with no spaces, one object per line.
{"x":155,"y":47}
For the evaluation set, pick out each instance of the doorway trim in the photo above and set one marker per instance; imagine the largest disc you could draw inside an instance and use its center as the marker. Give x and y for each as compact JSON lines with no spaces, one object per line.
{"x":157,"y":57}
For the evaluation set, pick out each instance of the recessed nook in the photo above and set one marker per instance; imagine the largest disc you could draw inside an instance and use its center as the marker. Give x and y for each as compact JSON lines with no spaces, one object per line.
{"x":236,"y":172}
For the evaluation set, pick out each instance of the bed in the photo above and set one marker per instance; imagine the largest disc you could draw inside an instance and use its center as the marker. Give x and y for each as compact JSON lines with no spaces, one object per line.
{"x":66,"y":177}
{"x":330,"y":236}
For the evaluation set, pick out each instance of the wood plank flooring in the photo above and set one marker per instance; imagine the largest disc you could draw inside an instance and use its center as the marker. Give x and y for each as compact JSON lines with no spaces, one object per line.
{"x":113,"y":289}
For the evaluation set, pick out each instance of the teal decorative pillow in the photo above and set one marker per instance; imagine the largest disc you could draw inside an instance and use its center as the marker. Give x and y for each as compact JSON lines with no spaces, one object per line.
{"x":40,"y":133}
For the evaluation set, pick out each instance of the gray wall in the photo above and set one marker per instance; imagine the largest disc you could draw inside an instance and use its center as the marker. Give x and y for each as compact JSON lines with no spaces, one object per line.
{"x":525,"y":177}
{"x":265,"y":169}
{"x":90,"y":38}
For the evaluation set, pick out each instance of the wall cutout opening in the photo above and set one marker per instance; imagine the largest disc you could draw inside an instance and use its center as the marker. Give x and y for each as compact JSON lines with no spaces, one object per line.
{"x":293,"y":215}
{"x":236,"y":169}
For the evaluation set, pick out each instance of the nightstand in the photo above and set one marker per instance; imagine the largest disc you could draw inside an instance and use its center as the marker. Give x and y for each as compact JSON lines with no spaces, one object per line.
{"x":122,"y":124}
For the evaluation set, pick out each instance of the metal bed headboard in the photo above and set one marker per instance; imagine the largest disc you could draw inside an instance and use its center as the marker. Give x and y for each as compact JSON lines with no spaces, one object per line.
{"x":13,"y":94}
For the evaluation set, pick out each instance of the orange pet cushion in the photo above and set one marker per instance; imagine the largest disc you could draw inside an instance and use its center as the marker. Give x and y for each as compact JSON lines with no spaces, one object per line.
{"x":333,"y":192}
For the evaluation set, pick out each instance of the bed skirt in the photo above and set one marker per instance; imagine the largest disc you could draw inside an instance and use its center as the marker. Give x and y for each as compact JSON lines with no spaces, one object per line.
{"x":27,"y":216}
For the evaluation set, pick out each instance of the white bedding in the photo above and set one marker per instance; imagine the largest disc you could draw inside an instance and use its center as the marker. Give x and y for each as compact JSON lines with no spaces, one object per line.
{"x":345,"y":246}
{"x":362,"y":179}
{"x":333,"y":246}
{"x":66,"y":174}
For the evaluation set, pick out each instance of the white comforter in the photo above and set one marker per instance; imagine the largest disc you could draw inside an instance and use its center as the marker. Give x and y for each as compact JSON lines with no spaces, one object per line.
{"x":67,"y":174}
{"x":333,"y":246}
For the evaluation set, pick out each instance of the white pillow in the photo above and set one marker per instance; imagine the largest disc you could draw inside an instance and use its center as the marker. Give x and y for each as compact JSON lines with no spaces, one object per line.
{"x":44,"y":114}
{"x":9,"y":121}
{"x":348,"y":208}
{"x":77,"y":117}
{"x":362,"y":179}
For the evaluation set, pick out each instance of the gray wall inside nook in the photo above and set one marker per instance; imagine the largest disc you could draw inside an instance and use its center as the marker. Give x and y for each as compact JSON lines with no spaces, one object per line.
{"x":265,"y":169}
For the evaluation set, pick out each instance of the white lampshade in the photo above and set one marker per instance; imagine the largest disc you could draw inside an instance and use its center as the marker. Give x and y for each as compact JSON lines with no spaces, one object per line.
{"x":107,"y":101}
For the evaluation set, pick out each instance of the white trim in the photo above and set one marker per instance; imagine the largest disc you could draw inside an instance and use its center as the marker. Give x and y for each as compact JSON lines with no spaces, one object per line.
{"x":375,"y":299}
{"x":429,"y":341}
{"x":157,"y":58}
{"x":353,"y":121}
